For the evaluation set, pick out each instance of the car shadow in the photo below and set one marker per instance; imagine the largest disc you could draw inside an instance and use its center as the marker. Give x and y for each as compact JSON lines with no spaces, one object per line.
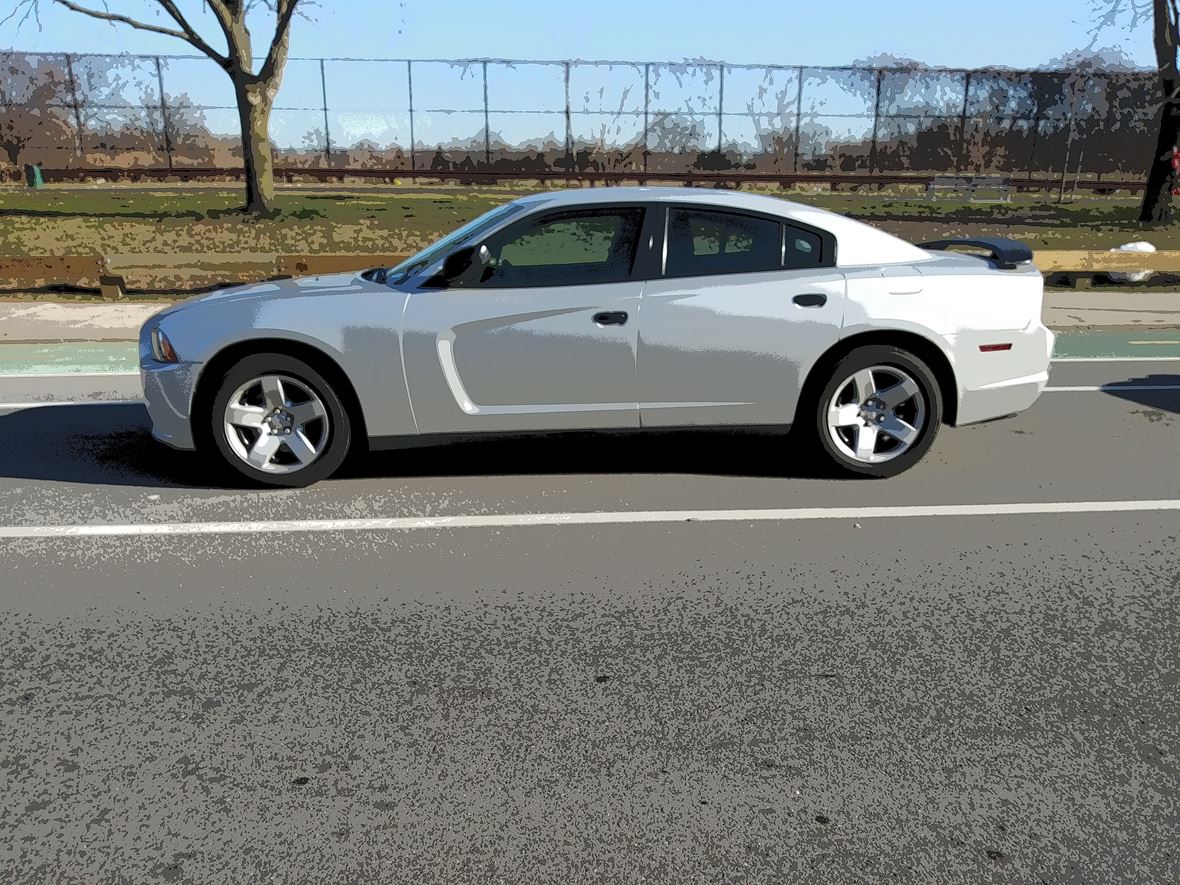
{"x":110,"y":444}
{"x":1150,"y":391}
{"x":700,"y":452}
{"x":94,"y":443}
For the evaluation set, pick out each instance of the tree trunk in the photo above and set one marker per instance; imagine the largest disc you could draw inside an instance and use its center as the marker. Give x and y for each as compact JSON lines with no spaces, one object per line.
{"x":1158,"y":204}
{"x":13,"y":149}
{"x":254,"y":107}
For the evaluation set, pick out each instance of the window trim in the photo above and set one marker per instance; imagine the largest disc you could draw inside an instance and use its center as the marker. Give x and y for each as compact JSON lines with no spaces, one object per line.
{"x":542,"y":216}
{"x":827,"y":240}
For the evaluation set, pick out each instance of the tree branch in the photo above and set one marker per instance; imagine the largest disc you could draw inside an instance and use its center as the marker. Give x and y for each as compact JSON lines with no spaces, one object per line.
{"x":190,"y":32}
{"x":188,"y":36}
{"x":30,"y":7}
{"x":224,"y":18}
{"x":277,"y":55}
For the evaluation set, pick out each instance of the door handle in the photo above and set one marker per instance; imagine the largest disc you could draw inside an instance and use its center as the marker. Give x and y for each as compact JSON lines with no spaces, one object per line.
{"x":811,"y":299}
{"x":611,"y":318}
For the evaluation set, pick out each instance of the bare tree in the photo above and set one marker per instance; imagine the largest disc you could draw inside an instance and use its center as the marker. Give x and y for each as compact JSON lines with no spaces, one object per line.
{"x":254,"y":91}
{"x":1158,"y":205}
{"x":36,"y":92}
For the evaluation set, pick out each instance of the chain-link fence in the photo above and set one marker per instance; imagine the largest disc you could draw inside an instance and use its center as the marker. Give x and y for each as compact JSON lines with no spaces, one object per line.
{"x":80,"y":111}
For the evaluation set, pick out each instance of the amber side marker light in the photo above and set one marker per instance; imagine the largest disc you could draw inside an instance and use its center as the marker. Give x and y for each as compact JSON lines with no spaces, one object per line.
{"x":162,"y":348}
{"x":994,"y":348}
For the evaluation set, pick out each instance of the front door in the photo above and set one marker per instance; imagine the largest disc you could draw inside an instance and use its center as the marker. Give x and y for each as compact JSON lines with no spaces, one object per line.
{"x":544,"y":339}
{"x":745,"y":306}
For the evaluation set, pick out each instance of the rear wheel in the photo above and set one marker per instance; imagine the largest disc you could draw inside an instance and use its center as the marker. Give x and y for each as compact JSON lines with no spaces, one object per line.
{"x":879,"y":412}
{"x":276,"y":421}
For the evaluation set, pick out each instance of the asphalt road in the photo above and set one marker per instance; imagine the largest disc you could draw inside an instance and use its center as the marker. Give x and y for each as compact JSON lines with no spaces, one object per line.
{"x":847,"y":697}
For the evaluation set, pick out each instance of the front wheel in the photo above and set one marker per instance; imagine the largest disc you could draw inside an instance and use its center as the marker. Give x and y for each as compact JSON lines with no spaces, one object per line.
{"x":276,"y":421}
{"x":879,"y":412}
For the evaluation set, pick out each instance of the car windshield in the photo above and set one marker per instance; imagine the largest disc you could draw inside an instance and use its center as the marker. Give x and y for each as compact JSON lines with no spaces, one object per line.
{"x":470,"y":231}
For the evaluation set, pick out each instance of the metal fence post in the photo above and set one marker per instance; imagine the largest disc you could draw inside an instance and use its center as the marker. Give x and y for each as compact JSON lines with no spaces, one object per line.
{"x":876,"y":124}
{"x":720,"y":107}
{"x":76,"y":106}
{"x":327,"y":131}
{"x":410,"y":92}
{"x":1036,"y":133}
{"x":963,"y":123}
{"x":487,"y":126}
{"x":646,"y":105}
{"x":163,"y":111}
{"x":798,"y":119}
{"x":1073,"y":111}
{"x":569,"y":127}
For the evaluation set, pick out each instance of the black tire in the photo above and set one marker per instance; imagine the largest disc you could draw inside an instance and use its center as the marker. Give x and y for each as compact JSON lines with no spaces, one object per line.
{"x":819,"y":436}
{"x":338,"y":428}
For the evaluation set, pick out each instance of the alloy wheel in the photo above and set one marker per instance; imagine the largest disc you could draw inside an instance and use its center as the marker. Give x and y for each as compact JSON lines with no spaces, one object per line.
{"x":876,"y":415}
{"x":276,"y":424}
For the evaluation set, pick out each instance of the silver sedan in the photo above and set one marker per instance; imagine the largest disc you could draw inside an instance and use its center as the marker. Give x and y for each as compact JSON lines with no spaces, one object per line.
{"x":610,"y":309}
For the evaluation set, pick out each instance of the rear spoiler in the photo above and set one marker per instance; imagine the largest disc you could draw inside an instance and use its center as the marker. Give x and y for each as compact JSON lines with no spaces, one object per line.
{"x":1008,"y":254}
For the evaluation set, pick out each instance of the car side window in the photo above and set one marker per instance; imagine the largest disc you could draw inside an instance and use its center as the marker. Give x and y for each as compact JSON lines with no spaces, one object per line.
{"x":567,"y":249}
{"x":803,"y":248}
{"x":704,"y":242}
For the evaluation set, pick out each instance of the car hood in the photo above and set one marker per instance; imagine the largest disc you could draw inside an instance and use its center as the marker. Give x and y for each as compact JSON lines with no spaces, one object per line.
{"x":274,"y":290}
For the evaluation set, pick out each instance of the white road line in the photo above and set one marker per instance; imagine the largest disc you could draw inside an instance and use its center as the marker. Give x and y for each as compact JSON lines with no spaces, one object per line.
{"x":1111,"y":388}
{"x":1117,"y":359}
{"x":74,"y":402}
{"x":526,"y":520}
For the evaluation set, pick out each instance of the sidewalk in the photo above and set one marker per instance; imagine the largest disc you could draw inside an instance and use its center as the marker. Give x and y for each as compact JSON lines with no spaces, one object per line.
{"x":1108,"y":309}
{"x":51,"y":322}
{"x":45,"y":322}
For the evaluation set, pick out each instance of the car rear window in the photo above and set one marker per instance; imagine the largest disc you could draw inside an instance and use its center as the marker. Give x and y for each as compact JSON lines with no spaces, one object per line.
{"x":803,"y":248}
{"x":704,"y":242}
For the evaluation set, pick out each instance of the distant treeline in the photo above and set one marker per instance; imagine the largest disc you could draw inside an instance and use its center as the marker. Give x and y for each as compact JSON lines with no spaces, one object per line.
{"x":101,"y":111}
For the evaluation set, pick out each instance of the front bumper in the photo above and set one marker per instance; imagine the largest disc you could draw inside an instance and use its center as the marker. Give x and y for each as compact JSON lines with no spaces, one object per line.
{"x":168,"y":392}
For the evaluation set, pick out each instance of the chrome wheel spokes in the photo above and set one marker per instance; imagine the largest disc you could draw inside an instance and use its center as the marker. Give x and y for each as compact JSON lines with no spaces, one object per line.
{"x":876,"y":414}
{"x":276,"y":424}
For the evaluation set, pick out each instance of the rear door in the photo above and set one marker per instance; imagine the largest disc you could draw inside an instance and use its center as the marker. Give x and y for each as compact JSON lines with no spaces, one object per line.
{"x":546,"y":340}
{"x":743,"y":307}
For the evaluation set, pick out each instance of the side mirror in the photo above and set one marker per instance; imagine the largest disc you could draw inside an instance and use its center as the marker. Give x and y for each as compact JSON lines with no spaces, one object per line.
{"x":457,"y":264}
{"x":457,"y":267}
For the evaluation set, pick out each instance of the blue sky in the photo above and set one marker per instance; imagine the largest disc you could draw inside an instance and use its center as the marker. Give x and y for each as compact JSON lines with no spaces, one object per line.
{"x":368,"y":101}
{"x":1017,"y":33}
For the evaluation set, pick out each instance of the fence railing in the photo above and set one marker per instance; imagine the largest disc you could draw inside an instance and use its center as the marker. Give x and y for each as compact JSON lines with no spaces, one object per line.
{"x":77,"y":111}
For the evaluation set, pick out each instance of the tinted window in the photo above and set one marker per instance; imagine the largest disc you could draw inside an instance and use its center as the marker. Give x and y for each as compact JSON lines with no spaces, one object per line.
{"x":470,"y":231}
{"x":703,"y":242}
{"x":568,"y":249}
{"x":803,"y":248}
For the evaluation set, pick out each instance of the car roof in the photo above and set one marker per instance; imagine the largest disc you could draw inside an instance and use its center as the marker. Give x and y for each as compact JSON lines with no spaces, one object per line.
{"x":698,"y":195}
{"x":858,"y":244}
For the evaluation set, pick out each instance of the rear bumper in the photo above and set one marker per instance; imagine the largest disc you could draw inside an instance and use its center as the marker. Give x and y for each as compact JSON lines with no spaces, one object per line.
{"x":1024,"y":371}
{"x":167,"y":390}
{"x":1000,"y":400}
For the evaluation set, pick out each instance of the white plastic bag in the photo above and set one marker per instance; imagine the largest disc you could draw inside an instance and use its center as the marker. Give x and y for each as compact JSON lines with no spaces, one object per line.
{"x":1135,"y":276}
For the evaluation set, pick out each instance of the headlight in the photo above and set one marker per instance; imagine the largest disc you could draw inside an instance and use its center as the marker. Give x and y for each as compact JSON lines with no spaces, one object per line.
{"x":162,"y":348}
